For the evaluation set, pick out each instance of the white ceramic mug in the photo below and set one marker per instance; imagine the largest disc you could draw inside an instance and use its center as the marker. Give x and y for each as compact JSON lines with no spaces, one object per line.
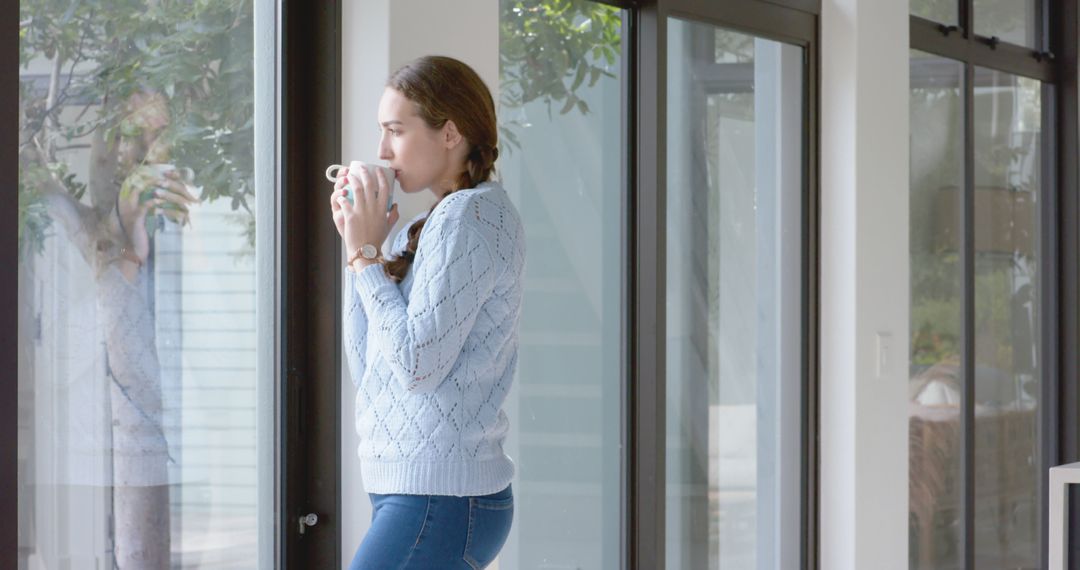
{"x":354,"y":167}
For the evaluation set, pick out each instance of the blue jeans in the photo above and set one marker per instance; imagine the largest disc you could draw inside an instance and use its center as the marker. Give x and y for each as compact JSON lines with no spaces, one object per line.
{"x":435,"y":531}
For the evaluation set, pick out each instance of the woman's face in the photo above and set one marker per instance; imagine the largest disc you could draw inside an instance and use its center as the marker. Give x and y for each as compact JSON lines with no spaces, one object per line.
{"x":421,"y":157}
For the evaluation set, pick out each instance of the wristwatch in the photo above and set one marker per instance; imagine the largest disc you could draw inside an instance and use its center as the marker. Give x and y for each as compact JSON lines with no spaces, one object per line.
{"x":367,"y":251}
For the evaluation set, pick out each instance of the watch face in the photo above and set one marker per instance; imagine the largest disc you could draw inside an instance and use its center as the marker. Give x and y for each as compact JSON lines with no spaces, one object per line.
{"x":369,"y":251}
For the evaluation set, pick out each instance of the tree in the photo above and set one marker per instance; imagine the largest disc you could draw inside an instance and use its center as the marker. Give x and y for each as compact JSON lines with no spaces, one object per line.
{"x":547,"y":50}
{"x":162,"y":90}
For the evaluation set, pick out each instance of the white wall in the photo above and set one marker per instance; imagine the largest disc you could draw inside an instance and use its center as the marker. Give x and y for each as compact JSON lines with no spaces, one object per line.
{"x":378,"y":37}
{"x":864,"y":284}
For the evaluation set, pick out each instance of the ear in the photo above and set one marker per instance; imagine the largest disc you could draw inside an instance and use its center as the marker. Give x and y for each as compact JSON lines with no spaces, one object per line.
{"x":451,"y":136}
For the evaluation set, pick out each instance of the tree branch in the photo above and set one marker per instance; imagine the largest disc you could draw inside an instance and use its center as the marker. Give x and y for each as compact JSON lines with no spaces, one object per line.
{"x":101,"y":179}
{"x":80,"y":221}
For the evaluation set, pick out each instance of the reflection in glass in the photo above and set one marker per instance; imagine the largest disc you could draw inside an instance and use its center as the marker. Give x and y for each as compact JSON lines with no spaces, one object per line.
{"x":943,"y":11}
{"x":560,"y":122}
{"x":137,"y":432}
{"x":1013,"y":21}
{"x":1008,"y":348}
{"x":937,"y":185}
{"x":734,"y":285}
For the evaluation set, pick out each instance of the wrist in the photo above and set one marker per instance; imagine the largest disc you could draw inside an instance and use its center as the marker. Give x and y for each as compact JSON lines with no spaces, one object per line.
{"x":362,"y":263}
{"x":129,"y":255}
{"x":366,"y":252}
{"x":362,"y":257}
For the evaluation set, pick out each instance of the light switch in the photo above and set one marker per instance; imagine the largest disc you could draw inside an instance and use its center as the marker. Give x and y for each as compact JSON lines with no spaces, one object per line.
{"x":884,"y":353}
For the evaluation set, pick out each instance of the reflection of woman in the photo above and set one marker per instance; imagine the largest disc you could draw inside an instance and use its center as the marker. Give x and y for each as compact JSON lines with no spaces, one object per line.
{"x":431,"y":331}
{"x":139,"y":450}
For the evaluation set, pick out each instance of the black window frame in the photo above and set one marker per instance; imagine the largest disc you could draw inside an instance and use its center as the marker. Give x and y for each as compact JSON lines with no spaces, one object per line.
{"x":309,"y":412}
{"x":1053,"y":62}
{"x":9,"y":292}
{"x":791,"y":21}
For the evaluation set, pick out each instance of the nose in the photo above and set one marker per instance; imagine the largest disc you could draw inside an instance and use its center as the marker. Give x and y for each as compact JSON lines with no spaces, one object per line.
{"x":385,"y":153}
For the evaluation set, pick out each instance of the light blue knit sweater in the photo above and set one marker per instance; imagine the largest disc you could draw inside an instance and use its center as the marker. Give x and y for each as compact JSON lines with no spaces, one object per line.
{"x":433,"y":358}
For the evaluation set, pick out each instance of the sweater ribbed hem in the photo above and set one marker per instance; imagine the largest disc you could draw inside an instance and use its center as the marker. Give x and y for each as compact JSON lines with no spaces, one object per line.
{"x":370,"y":278}
{"x":470,"y":479}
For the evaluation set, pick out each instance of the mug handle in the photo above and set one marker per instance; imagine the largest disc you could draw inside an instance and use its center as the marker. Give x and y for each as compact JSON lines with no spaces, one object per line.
{"x":331,"y":172}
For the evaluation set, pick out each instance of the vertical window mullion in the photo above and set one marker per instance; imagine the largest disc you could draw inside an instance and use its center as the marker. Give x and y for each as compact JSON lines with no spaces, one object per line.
{"x":967,"y":335}
{"x":1042,"y":24}
{"x":966,"y":18}
{"x":1051,"y":302}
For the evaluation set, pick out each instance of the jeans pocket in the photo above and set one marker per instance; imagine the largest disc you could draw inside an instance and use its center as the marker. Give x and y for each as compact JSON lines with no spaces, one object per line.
{"x":490,"y":519}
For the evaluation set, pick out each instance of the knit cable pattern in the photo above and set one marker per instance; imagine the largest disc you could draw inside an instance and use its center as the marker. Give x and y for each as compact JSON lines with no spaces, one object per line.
{"x":433,"y":358}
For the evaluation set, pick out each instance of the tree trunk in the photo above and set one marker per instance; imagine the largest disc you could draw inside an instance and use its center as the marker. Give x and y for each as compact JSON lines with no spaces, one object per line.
{"x":140,"y":451}
{"x":142,"y":527}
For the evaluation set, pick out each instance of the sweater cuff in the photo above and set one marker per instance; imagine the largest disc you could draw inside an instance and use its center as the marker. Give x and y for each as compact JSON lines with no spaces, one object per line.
{"x":368,"y":281}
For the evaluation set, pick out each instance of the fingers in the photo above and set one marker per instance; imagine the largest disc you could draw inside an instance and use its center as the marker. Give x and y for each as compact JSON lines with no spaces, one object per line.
{"x":365,"y":178}
{"x":358,"y":183}
{"x":372,"y":187}
{"x":342,"y":204}
{"x":342,"y":179}
{"x":181,"y":199}
{"x":169,"y":183}
{"x":149,"y":204}
{"x":178,"y":188}
{"x":384,"y":193}
{"x":334,"y":206}
{"x":339,"y":189}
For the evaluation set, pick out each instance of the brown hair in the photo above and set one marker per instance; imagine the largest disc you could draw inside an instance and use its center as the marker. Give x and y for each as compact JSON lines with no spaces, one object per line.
{"x":445,"y":89}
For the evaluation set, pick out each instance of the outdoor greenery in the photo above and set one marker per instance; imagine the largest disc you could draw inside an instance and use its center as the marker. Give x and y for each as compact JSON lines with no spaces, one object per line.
{"x":171,"y":78}
{"x":176,"y":77}
{"x":549,"y":49}
{"x":1006,"y":282}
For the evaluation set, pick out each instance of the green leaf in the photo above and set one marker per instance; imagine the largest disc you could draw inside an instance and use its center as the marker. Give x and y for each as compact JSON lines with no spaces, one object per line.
{"x":579,"y":76}
{"x":568,"y":106}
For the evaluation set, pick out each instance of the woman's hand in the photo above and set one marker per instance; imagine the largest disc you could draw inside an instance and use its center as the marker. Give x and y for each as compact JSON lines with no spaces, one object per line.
{"x":167,"y":194}
{"x":335,"y":207}
{"x":366,"y":220}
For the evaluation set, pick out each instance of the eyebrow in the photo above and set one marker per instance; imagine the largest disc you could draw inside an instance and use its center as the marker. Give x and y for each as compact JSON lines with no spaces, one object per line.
{"x":388,"y":123}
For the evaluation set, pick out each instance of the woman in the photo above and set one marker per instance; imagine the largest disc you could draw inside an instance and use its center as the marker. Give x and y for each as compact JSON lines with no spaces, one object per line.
{"x":431,"y":328}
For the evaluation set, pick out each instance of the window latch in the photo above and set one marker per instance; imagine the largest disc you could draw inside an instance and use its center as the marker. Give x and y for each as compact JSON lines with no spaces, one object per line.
{"x":310,"y":519}
{"x":946,"y":30}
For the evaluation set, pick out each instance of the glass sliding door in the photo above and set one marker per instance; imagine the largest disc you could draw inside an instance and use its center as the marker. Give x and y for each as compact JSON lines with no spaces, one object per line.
{"x":560,"y":120}
{"x":1008,"y":312}
{"x":145,"y":439}
{"x":977,"y":428}
{"x":735,"y":210}
{"x":936,"y":386}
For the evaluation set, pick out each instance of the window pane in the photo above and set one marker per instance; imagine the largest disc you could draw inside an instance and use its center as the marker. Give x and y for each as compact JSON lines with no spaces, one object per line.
{"x":138,"y":439}
{"x":944,"y":11}
{"x":561,"y":161}
{"x":937,"y":186}
{"x":1008,"y":307}
{"x":1014,"y":21}
{"x":734,"y":261}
